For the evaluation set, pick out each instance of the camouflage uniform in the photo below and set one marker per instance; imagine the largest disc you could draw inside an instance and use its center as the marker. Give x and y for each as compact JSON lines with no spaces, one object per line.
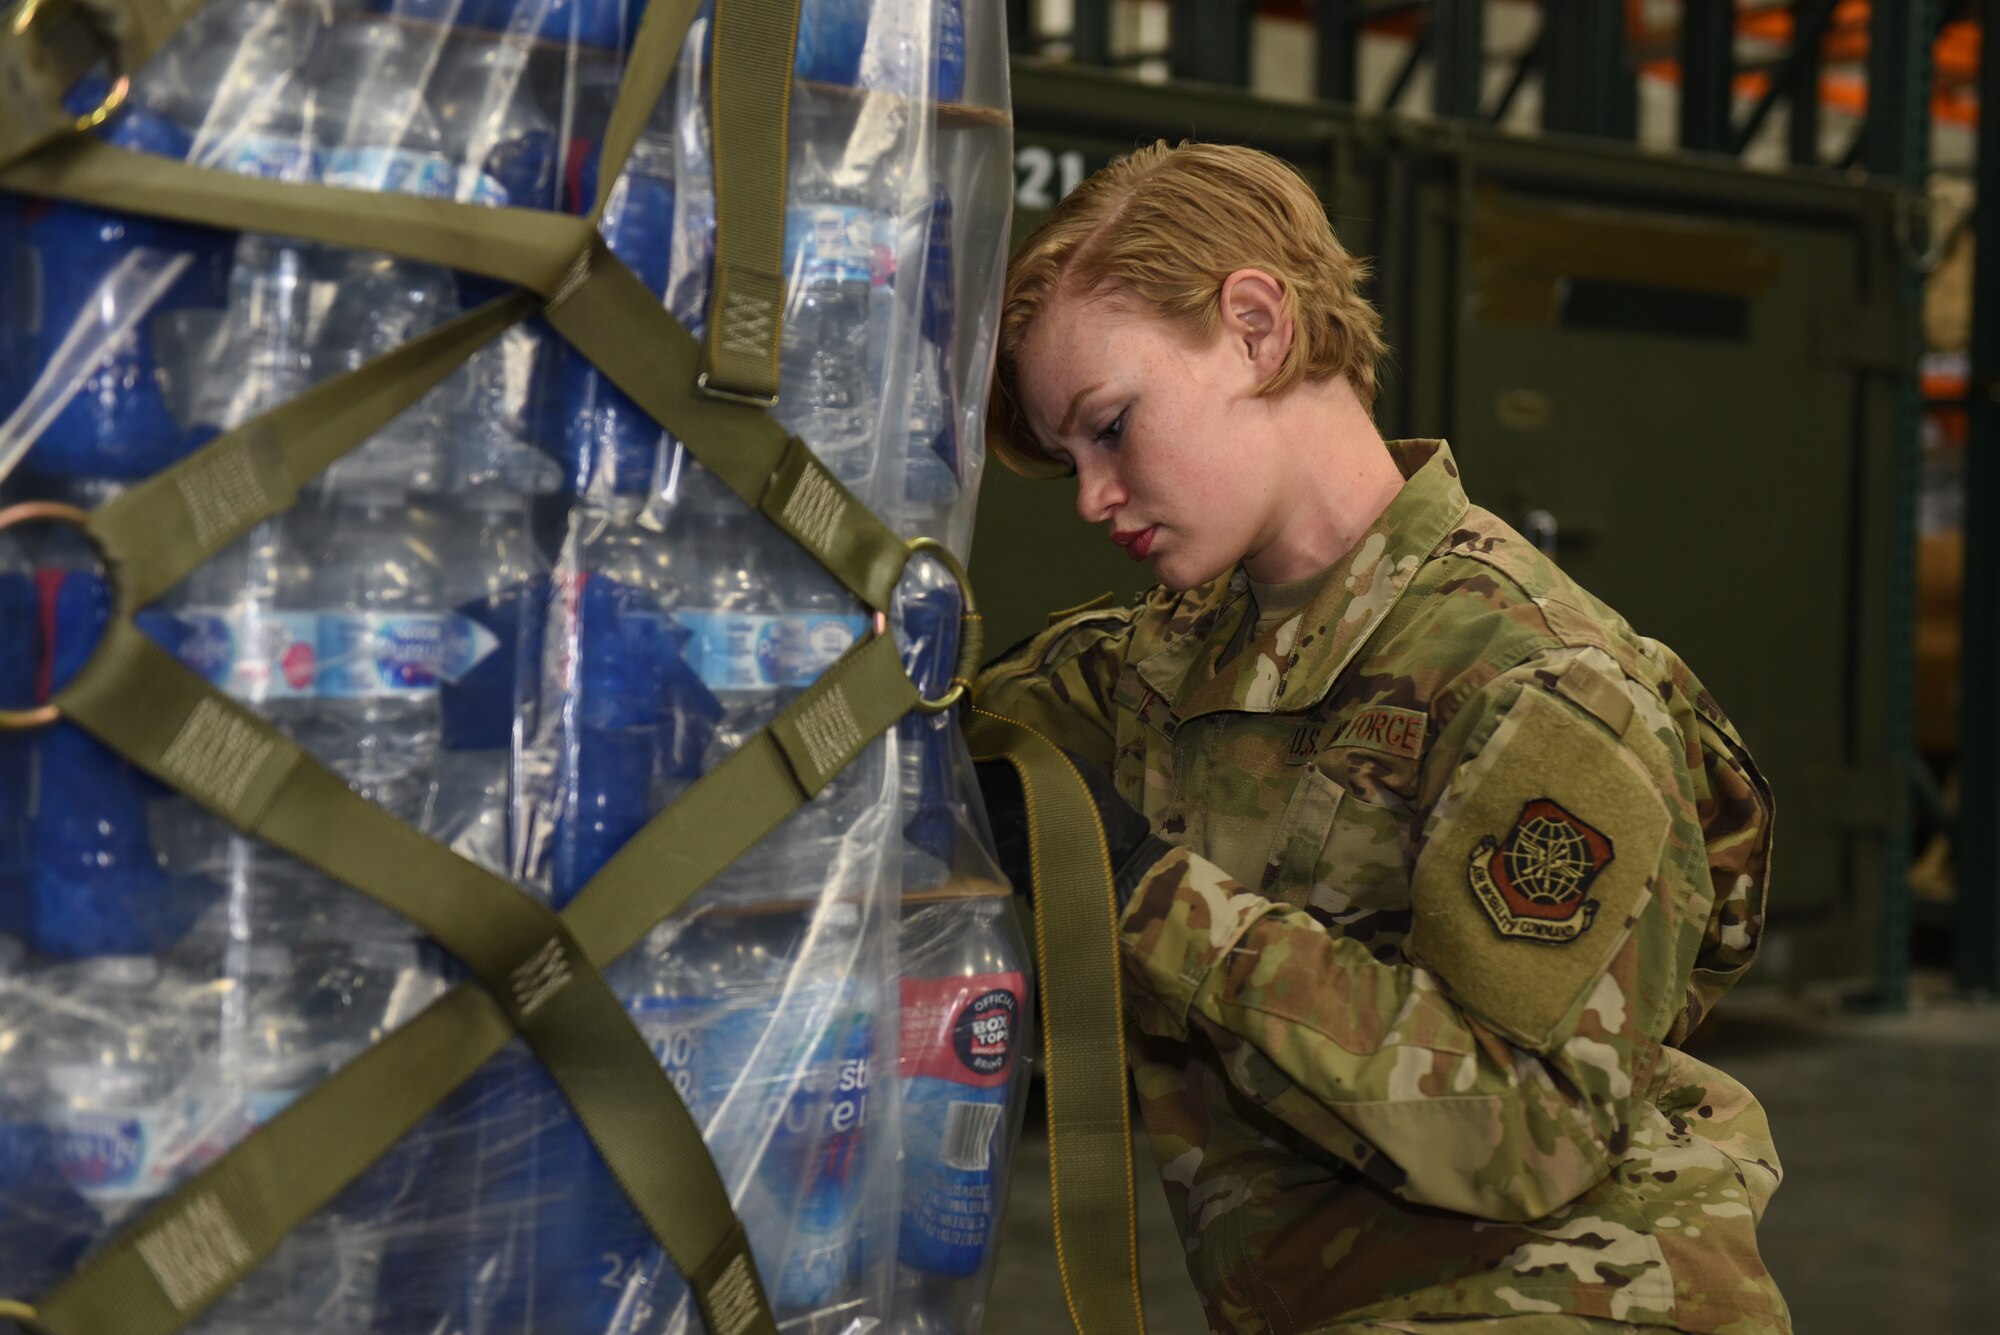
{"x":1460,"y":858}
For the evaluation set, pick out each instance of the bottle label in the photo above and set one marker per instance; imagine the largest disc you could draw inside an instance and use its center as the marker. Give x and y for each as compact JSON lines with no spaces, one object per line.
{"x":365,"y":655}
{"x":959,"y":1037}
{"x":831,"y":243}
{"x":397,"y":171}
{"x":732,"y":651}
{"x":815,"y":642}
{"x":267,"y":157}
{"x":263,"y":1105}
{"x":961,"y":1029}
{"x":678,"y":1029}
{"x":255,"y":655}
{"x":820,"y":1148}
{"x":113,"y":1158}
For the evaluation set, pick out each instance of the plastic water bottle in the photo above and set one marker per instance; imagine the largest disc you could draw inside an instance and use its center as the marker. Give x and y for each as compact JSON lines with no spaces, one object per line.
{"x":504,"y":151}
{"x":44,"y":1224}
{"x":379,"y":595}
{"x":825,"y":393}
{"x":94,"y":396}
{"x":634,"y":720}
{"x":20,"y":661}
{"x":832,"y":35}
{"x":933,"y":469}
{"x":610,"y":444}
{"x":229,"y":67}
{"x":728,"y":602}
{"x":495,"y":578}
{"x":374,"y":306}
{"x":119,"y":1064}
{"x":376,"y":132}
{"x":910,"y":59}
{"x":963,"y":1060}
{"x":244,"y":621}
{"x":813,"y":1172}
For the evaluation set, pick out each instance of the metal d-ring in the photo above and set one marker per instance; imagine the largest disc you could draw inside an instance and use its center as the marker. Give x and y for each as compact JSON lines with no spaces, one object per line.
{"x":20,"y":1314}
{"x":961,"y":681}
{"x":19,"y":720}
{"x":121,"y":87}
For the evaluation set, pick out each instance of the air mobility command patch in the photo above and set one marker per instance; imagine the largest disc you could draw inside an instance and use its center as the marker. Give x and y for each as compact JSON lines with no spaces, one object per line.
{"x":1536,"y":885}
{"x":1540,"y":857}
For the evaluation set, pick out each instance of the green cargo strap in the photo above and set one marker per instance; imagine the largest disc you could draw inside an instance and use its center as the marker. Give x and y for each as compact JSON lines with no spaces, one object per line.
{"x":47,"y":45}
{"x":139,"y":700}
{"x":531,"y":248}
{"x":1076,"y":939}
{"x":157,"y":532}
{"x":594,"y":301}
{"x":655,"y":50}
{"x":750,"y":91}
{"x":191,"y":1247}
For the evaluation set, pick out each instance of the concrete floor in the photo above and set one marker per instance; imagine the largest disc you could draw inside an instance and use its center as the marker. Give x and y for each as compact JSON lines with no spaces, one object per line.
{"x":1888,"y":1221}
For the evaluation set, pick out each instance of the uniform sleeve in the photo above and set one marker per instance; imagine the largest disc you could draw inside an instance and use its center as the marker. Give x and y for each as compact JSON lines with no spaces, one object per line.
{"x":1497,"y":1069}
{"x":1060,"y":682}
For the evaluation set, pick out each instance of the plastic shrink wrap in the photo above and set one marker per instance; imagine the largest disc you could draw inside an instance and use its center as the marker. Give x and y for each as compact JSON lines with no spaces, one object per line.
{"x":522,"y":618}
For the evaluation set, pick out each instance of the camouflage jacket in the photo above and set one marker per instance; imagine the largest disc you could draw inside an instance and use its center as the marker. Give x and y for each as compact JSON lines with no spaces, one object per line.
{"x":1459,"y":859}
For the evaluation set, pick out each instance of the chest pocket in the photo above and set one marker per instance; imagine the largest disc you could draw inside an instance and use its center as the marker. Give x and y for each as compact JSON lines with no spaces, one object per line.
{"x":1345,"y":858}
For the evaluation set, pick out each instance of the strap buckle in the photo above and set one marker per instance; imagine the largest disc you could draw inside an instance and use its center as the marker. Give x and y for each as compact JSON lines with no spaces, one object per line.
{"x":969,"y":619}
{"x":21,"y":720}
{"x":732,"y":396}
{"x":121,"y":87}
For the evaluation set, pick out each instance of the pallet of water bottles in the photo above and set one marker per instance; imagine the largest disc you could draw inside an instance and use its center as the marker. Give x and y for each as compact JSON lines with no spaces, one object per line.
{"x":523,"y":619}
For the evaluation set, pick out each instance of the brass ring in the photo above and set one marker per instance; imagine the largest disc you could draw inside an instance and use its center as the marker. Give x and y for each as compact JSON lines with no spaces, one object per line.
{"x":21,"y":1314}
{"x":949,"y":560}
{"x":19,"y":720}
{"x":121,"y":87}
{"x":24,"y":16}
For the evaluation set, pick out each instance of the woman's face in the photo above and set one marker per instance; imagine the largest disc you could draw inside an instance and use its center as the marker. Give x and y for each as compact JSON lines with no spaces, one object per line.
{"x":1173,"y":449}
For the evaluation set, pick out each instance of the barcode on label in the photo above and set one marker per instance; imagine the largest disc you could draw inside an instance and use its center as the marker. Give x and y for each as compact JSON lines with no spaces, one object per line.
{"x":968,"y":1135}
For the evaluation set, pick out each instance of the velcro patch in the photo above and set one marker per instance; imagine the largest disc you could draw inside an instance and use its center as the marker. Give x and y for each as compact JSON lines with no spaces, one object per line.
{"x":1384,"y":728}
{"x":1541,"y":857}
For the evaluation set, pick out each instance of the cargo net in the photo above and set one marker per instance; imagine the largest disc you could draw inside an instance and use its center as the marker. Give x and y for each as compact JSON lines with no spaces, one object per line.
{"x":523,"y":619}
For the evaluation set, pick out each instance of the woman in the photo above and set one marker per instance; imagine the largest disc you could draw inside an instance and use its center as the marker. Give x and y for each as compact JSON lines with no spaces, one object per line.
{"x":1444,"y":858}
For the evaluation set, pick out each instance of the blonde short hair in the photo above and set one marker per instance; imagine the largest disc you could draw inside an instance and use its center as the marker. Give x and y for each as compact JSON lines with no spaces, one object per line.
{"x":1164,"y":226}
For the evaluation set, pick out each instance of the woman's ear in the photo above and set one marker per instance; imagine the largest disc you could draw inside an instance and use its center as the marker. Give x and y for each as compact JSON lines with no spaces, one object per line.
{"x":1254,"y":318}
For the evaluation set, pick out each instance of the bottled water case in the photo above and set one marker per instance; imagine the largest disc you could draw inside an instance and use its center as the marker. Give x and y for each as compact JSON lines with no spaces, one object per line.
{"x":524,"y":619}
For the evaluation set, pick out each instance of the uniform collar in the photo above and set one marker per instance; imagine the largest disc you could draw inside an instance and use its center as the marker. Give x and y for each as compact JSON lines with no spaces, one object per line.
{"x":1294,"y":666}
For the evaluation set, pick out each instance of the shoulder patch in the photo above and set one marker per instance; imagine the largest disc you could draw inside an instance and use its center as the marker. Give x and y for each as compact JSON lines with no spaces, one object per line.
{"x":1385,"y":728}
{"x":1540,"y":858}
{"x":1536,"y":885}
